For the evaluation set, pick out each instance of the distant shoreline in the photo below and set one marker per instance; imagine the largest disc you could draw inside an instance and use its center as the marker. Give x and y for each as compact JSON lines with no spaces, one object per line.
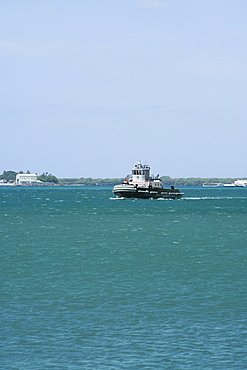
{"x":8,"y":178}
{"x":167,"y":182}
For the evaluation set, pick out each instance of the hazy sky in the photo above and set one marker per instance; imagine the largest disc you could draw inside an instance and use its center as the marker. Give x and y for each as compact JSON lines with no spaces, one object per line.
{"x":88,"y":87}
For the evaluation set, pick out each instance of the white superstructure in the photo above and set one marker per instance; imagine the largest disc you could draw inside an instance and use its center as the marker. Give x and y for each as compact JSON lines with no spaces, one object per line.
{"x":241,"y":183}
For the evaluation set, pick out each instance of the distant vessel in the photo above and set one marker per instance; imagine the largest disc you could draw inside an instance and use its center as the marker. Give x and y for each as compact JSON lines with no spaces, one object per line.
{"x":237,"y":183}
{"x":215,"y":184}
{"x":142,"y":185}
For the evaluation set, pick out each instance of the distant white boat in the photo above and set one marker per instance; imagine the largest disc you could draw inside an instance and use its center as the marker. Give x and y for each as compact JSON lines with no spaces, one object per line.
{"x":215,"y":184}
{"x":237,"y":183}
{"x":240,"y":182}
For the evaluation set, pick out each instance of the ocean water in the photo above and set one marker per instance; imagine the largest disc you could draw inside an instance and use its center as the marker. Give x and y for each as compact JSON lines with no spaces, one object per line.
{"x":93,"y":282}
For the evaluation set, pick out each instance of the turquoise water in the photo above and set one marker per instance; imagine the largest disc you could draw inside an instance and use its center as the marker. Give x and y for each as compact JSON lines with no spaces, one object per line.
{"x":91,"y":282}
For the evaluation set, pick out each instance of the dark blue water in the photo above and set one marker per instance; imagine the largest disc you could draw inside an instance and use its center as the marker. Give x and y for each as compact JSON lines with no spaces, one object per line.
{"x":91,"y":282}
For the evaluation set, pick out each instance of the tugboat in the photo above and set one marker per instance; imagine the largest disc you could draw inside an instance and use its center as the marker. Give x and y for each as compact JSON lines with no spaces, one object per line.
{"x":142,"y":185}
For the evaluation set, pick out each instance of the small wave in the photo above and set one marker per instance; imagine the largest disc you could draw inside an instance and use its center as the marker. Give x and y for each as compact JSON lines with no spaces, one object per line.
{"x":214,"y":198}
{"x":117,"y":198}
{"x":165,"y":199}
{"x":202,"y":198}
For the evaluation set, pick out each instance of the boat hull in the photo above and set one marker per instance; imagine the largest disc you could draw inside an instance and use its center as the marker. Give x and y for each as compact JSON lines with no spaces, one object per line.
{"x":146,"y":193}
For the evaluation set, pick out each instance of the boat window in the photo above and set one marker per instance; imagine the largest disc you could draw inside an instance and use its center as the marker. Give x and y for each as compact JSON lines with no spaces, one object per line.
{"x":140,"y":172}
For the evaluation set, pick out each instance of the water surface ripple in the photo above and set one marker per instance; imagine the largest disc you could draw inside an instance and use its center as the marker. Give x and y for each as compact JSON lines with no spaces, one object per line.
{"x":91,"y":282}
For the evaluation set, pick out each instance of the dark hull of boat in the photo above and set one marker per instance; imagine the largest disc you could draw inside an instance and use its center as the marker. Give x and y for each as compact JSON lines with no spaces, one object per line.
{"x":146,"y":193}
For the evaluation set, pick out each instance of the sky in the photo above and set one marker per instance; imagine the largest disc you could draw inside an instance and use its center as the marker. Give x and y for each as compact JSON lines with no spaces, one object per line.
{"x":89,"y":87}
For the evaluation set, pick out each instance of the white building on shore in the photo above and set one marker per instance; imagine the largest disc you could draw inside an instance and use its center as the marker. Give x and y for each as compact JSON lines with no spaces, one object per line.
{"x":26,"y":179}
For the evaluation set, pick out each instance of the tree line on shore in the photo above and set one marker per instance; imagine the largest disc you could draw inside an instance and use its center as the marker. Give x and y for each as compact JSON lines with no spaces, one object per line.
{"x":9,"y":176}
{"x":195,"y":181}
